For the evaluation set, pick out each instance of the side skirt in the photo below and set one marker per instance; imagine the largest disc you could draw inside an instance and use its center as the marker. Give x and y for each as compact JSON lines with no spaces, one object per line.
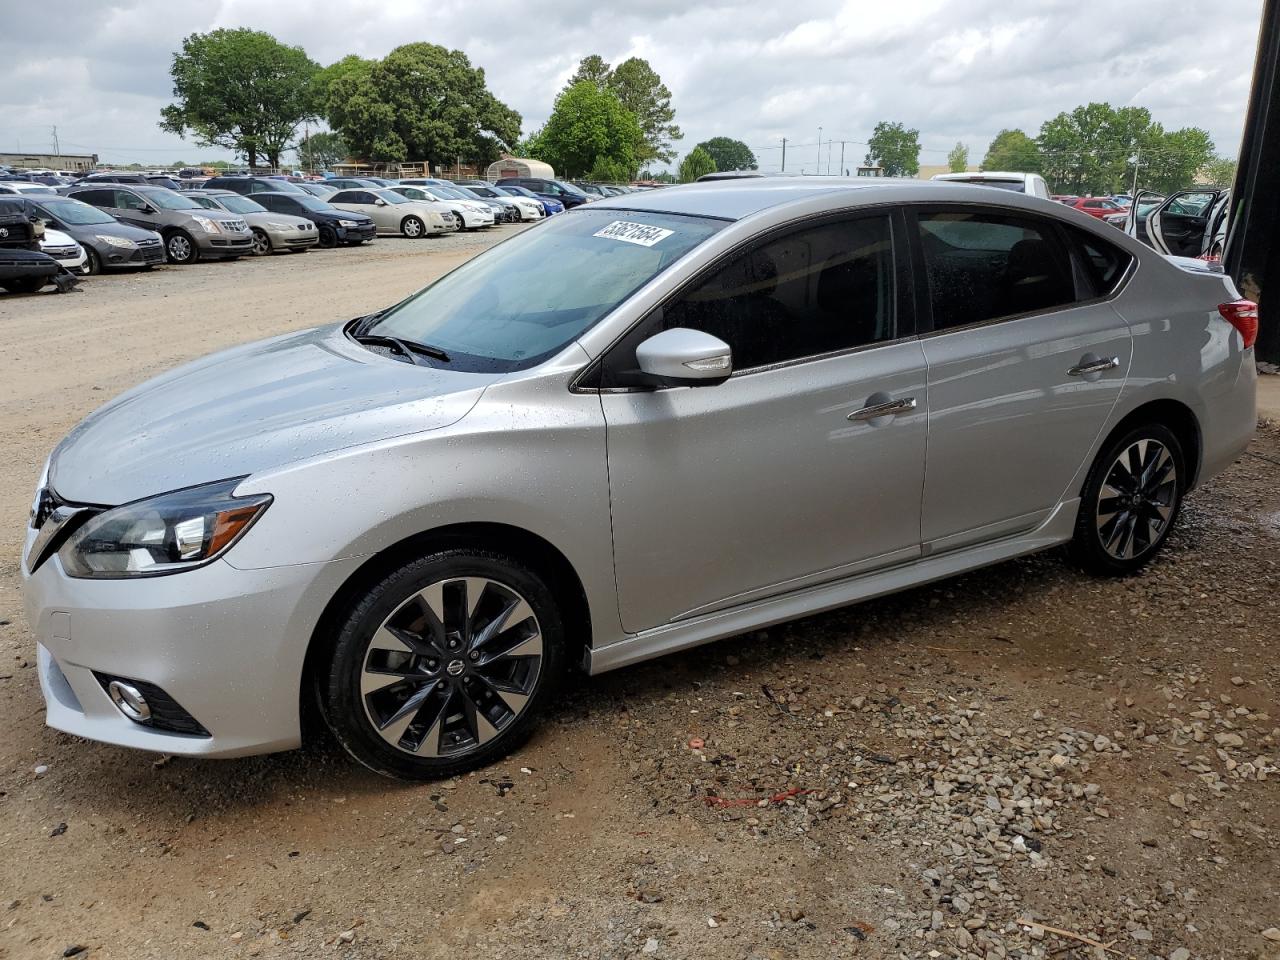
{"x":659,"y":641}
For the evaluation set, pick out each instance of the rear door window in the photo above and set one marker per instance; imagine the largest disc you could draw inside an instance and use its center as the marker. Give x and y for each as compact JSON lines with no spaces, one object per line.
{"x":986,"y":266}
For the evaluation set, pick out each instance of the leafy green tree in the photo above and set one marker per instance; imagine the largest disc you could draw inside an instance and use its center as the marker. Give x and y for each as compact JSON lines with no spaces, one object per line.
{"x":421,"y":102}
{"x":587,"y":125}
{"x":324,"y":83}
{"x":642,"y":92}
{"x":1171,"y":160}
{"x":696,"y":164}
{"x":242,"y":90}
{"x":958,"y":158}
{"x":1220,"y":171}
{"x":1012,"y":150}
{"x":323,"y":150}
{"x":894,"y":148}
{"x":593,"y":69}
{"x":605,"y":170}
{"x":729,"y":154}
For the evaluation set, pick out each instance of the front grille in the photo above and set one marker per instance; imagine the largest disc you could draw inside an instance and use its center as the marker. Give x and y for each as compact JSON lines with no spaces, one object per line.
{"x":166,"y":712}
{"x":235,"y":226}
{"x":304,"y":227}
{"x":151,"y":242}
{"x":62,"y":253}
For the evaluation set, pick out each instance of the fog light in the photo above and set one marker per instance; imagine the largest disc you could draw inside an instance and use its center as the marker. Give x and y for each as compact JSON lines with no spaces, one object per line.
{"x":130,"y":700}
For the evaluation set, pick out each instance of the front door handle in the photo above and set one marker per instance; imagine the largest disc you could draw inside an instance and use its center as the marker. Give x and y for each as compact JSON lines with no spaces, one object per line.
{"x":1085,"y":368}
{"x":887,"y":409}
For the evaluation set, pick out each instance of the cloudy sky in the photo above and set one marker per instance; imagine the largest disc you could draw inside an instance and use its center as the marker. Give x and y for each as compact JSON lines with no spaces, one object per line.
{"x":958,"y":70}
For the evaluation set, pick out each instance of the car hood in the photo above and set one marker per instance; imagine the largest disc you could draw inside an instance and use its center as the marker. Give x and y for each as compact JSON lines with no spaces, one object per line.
{"x":262,"y":218}
{"x":113,"y":229}
{"x":252,"y":408}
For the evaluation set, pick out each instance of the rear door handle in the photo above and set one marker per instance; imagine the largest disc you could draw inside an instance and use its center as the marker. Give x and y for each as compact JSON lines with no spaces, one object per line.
{"x":1093,"y":366}
{"x":887,"y":409}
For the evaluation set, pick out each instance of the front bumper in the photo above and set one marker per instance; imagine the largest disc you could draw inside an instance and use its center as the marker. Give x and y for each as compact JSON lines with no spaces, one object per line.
{"x":227,"y":645}
{"x":225,"y":245}
{"x":292,"y":239}
{"x":145,"y":253}
{"x":357,"y":234}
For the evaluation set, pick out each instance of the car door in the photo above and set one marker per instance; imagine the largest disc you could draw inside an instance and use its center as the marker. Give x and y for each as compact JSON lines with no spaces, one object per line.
{"x":806,"y":465}
{"x":1180,"y":225}
{"x":132,"y":208}
{"x":1026,"y":360}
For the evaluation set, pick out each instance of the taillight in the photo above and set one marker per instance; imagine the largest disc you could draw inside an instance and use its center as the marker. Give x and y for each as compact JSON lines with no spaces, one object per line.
{"x":1243,"y":315}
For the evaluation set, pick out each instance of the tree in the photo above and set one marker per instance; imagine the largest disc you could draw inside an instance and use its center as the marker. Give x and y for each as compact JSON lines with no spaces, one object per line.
{"x":322,"y":149}
{"x":593,"y":69}
{"x":1012,"y":150}
{"x":958,"y":158}
{"x":242,"y":90}
{"x":895,"y":149}
{"x":642,"y":92}
{"x":1220,"y":172}
{"x":605,"y":170}
{"x":729,"y":154}
{"x":695,"y":165}
{"x":421,"y":102}
{"x":588,"y":125}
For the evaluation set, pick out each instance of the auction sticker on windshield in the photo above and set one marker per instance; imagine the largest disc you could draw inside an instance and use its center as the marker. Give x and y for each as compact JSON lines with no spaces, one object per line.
{"x":641,"y":233}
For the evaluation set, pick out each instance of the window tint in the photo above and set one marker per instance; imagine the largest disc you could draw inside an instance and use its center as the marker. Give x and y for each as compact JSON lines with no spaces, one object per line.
{"x":99,"y":198}
{"x":207,"y":202}
{"x":1104,"y":264}
{"x":984,"y":266}
{"x":813,"y":291}
{"x":128,"y":200}
{"x":272,"y":202}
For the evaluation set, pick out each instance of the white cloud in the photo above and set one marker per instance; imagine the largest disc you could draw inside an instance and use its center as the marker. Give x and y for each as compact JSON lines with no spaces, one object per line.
{"x":758,"y":72}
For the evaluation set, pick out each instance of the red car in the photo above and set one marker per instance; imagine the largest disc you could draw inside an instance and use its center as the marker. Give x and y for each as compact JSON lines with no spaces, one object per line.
{"x":1097,"y":206}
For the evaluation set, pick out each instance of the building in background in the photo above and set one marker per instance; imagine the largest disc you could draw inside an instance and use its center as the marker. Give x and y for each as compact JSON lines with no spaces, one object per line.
{"x":75,"y":162}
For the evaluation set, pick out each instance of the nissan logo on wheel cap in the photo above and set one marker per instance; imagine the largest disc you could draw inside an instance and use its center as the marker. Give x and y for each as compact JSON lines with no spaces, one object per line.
{"x":455,"y":668}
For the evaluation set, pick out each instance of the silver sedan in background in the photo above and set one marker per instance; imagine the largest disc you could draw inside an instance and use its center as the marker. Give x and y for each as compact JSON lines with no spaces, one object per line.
{"x":272,"y":232}
{"x":814,"y":392}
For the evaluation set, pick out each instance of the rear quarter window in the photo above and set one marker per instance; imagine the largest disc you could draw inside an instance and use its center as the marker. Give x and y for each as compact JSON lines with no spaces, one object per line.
{"x":1105,"y":264}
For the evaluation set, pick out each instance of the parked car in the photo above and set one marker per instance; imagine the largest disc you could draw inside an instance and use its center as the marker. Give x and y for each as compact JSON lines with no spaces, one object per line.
{"x":272,"y":232}
{"x":470,"y":213}
{"x":593,"y":190}
{"x":394,"y":214}
{"x":1121,"y":217}
{"x":333,"y":225}
{"x":565,"y":193}
{"x":1187,"y":223}
{"x":1032,"y":184}
{"x":1065,"y":198}
{"x":527,"y":208}
{"x":1096,"y":206}
{"x":24,"y":267}
{"x":63,"y":248}
{"x":549,"y":206}
{"x":107,"y":242}
{"x":190,"y":232}
{"x":25,"y":188}
{"x":413,"y":518}
{"x":139,"y":179}
{"x":352,"y":183}
{"x":252,"y":186}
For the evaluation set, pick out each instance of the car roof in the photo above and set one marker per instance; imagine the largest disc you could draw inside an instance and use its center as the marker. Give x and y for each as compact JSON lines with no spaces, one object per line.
{"x":214,"y":192}
{"x":984,"y":175}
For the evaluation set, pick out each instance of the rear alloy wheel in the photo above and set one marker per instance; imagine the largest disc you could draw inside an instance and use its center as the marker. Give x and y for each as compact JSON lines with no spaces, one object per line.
{"x":261,"y":243}
{"x":413,"y":227}
{"x":444,"y":665}
{"x":180,"y":248}
{"x":1131,"y":501}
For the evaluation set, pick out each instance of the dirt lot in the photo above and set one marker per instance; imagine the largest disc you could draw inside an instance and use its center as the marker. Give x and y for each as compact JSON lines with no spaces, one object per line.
{"x":915,"y":777}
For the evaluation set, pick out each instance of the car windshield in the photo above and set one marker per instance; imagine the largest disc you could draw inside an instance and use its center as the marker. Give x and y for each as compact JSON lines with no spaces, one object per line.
{"x":238,"y":204}
{"x":518,"y":192}
{"x":520,"y":302}
{"x":446,"y":193}
{"x":168,"y":200}
{"x":390,"y":196}
{"x":309,"y":202}
{"x":75,"y":212}
{"x":569,"y":188}
{"x":469,"y":193}
{"x":483,"y":191}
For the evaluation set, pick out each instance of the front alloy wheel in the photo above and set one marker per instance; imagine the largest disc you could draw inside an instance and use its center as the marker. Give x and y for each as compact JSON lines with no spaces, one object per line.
{"x":442,"y":667}
{"x":261,"y":243}
{"x":180,"y":248}
{"x":1130,"y":502}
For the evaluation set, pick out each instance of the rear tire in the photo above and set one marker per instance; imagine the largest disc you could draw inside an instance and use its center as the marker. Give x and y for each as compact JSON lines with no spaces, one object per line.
{"x":1131,"y":501}
{"x":477,"y":644}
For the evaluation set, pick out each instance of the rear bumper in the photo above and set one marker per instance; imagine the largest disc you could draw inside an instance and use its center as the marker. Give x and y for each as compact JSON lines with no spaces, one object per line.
{"x":1229,"y":419}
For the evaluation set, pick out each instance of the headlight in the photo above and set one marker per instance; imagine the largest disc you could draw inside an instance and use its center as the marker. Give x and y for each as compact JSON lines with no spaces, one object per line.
{"x":210,"y":226}
{"x":279,"y":226}
{"x":165,"y":534}
{"x":123,"y":242}
{"x":349,"y":223}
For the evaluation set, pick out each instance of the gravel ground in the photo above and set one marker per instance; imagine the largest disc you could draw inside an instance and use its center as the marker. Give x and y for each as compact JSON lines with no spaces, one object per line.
{"x":1022,"y":762}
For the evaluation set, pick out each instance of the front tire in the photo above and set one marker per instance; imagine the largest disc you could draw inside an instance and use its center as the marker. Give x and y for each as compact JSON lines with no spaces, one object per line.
{"x":413,"y":227}
{"x":180,"y":248}
{"x":328,"y":238}
{"x":261,"y":243}
{"x":92,"y":265}
{"x":1130,"y":502}
{"x":443,"y":665}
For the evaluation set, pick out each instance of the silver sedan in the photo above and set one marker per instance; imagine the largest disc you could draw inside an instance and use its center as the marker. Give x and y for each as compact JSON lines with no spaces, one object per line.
{"x":272,"y":232}
{"x":663,"y":419}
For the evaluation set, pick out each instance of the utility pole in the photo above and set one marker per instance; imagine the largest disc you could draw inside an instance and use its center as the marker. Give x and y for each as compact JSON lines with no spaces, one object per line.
{"x":818,"y":167}
{"x":56,"y":148}
{"x":1137,"y":161}
{"x":842,"y":158}
{"x":784,"y":155}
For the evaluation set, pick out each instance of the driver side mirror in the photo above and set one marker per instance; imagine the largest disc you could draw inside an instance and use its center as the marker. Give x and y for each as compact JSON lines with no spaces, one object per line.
{"x":148,"y":209}
{"x":681,"y":357}
{"x":379,"y":202}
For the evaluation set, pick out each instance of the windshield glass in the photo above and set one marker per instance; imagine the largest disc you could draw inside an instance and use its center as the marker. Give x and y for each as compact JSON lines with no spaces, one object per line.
{"x":483,"y":191}
{"x":315,"y":203}
{"x":168,"y":200}
{"x":522,"y":301}
{"x":75,"y":212}
{"x":390,"y":196}
{"x":517,"y":191}
{"x":238,"y":204}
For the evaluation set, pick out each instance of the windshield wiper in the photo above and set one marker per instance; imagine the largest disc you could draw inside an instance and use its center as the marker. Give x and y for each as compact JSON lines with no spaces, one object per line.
{"x":410,"y":349}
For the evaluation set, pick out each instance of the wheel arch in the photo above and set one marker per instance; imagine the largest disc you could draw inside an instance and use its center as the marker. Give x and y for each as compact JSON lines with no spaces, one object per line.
{"x":543,"y":556}
{"x":1175,"y":415}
